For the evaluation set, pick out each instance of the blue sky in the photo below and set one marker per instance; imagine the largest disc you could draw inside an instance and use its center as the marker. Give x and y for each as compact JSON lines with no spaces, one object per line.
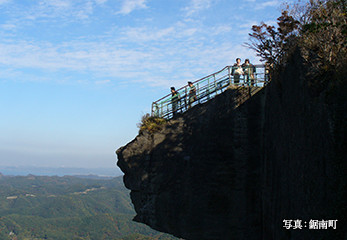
{"x":77,"y":75}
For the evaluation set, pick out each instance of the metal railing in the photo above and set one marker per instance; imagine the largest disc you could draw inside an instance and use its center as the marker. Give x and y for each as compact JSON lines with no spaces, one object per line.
{"x":208,"y":87}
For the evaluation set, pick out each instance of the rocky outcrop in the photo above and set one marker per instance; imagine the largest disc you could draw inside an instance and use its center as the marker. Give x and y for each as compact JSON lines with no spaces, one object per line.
{"x":220,"y":172}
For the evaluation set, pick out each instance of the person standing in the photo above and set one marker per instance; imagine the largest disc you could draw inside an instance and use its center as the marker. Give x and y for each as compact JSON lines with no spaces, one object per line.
{"x":192,"y":94}
{"x":175,"y":98}
{"x":248,"y":70}
{"x":237,"y":71}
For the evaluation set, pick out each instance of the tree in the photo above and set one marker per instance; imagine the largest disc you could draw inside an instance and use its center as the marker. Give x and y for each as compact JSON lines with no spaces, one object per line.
{"x":272,"y":44}
{"x":324,"y":37}
{"x":318,"y":28}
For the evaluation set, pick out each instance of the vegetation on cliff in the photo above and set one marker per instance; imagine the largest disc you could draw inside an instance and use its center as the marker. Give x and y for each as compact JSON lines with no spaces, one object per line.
{"x":318,"y":28}
{"x":150,"y":123}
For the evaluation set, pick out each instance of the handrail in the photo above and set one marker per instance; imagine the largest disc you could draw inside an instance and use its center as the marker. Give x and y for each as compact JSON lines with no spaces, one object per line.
{"x":208,"y":87}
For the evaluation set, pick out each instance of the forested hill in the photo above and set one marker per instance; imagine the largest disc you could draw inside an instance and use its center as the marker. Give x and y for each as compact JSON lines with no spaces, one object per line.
{"x":41,"y":207}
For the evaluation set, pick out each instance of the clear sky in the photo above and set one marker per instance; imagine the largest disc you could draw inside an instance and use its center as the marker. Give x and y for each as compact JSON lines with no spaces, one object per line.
{"x":77,"y":75}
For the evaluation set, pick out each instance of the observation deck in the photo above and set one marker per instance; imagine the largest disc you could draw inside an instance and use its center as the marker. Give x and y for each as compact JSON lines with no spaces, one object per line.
{"x":254,"y":78}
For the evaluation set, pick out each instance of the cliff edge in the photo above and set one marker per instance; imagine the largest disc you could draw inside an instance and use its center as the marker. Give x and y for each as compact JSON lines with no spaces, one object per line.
{"x":220,"y":172}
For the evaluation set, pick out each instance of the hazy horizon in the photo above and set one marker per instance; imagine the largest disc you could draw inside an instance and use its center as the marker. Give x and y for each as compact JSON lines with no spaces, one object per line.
{"x":62,"y":171}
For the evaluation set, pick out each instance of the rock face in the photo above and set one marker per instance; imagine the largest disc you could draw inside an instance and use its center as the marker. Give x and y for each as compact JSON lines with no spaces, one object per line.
{"x":220,"y":172}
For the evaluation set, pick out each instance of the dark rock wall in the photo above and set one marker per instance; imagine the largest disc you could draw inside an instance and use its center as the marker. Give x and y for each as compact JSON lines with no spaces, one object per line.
{"x":217,"y":172}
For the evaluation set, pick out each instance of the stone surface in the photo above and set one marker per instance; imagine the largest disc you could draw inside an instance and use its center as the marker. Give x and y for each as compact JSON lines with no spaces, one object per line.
{"x":228,"y":171}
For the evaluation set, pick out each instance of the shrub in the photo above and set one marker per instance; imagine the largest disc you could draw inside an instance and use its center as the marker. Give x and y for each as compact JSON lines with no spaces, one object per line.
{"x":151,"y":124}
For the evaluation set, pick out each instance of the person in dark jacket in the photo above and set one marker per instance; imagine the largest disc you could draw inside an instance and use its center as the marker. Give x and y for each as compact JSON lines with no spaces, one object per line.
{"x":192,"y":94}
{"x":175,"y":98}
{"x":248,"y":71}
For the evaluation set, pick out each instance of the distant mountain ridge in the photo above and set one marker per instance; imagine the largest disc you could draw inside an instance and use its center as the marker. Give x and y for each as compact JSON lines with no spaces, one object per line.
{"x":58,"y":171}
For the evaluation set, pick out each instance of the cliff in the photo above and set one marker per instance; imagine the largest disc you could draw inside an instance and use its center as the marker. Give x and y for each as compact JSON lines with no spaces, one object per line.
{"x":224,"y":172}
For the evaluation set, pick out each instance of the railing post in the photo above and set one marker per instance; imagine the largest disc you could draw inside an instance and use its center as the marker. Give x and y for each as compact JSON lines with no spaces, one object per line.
{"x":208,"y":89}
{"x":215,"y":83}
{"x":152,"y":110}
{"x":229,"y":73}
{"x":198,"y":93}
{"x":185,"y":98}
{"x":167,"y":109}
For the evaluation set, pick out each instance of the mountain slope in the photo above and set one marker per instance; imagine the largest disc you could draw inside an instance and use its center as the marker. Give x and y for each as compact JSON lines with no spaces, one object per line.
{"x":39,"y":207}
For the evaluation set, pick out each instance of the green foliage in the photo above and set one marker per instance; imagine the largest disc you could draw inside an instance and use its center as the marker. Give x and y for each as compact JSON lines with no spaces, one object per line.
{"x":63,"y":208}
{"x":151,"y":124}
{"x":318,"y":28}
